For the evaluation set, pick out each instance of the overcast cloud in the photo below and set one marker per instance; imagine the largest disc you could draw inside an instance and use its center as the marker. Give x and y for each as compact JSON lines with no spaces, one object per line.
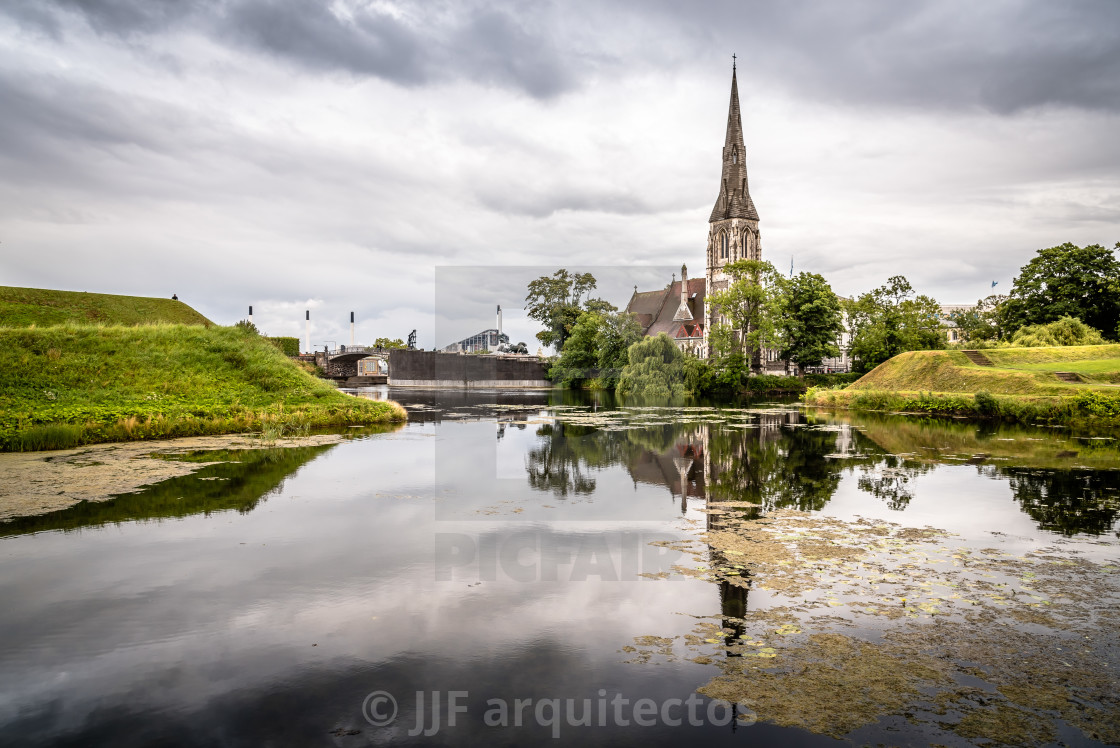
{"x":301,"y":155}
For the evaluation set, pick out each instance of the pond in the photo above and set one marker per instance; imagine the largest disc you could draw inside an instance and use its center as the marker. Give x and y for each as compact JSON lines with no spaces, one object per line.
{"x":510,"y":568}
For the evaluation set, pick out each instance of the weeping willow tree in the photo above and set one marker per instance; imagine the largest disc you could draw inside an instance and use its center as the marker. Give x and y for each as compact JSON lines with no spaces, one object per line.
{"x":655,"y":368}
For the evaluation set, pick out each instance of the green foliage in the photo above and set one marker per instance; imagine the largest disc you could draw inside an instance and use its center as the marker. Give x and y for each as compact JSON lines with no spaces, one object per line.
{"x":831,"y":380}
{"x":655,"y":368}
{"x":1067,"y":281}
{"x":124,"y":383}
{"x":886,"y":322}
{"x":751,"y":305}
{"x":596,"y":349}
{"x":289,"y":346}
{"x":557,"y":301}
{"x":48,"y":436}
{"x":387,"y":343}
{"x":23,"y":307}
{"x":981,"y":323}
{"x":247,"y":327}
{"x":986,"y":403}
{"x":1063,"y":332}
{"x":810,"y":321}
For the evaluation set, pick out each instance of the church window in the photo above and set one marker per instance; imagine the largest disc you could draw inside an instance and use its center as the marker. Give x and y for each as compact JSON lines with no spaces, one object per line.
{"x":723,"y":242}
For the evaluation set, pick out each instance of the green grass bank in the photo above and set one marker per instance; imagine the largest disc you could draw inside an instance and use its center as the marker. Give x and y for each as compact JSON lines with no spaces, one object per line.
{"x":76,"y":384}
{"x":1021,"y":384}
{"x":24,"y":307}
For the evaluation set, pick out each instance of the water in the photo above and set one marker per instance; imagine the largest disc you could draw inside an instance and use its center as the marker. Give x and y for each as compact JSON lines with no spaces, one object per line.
{"x":491,"y":551}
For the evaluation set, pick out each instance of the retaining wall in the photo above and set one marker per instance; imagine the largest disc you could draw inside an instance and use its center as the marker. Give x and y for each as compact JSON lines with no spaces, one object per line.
{"x":435,"y":369}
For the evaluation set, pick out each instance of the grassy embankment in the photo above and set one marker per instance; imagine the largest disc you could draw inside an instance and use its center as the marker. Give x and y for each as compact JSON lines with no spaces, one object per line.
{"x":71,"y":384}
{"x":41,"y":307}
{"x":1021,"y":385}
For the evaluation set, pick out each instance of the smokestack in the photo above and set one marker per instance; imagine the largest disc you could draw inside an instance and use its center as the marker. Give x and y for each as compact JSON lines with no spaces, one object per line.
{"x":307,"y":330}
{"x":250,"y":314}
{"x":684,"y":284}
{"x":351,"y":329}
{"x":499,"y":324}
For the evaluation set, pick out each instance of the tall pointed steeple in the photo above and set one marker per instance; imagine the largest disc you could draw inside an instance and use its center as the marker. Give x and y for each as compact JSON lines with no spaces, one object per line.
{"x":734,"y":199}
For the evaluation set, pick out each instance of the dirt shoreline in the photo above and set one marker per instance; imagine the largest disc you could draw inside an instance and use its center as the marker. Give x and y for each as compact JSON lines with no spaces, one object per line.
{"x":34,"y":483}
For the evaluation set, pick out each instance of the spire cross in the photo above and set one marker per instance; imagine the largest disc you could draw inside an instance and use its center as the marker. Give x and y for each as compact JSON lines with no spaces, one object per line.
{"x":732,"y":60}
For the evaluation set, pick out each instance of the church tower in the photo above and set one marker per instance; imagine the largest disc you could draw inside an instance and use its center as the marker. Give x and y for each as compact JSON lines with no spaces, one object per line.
{"x":733,"y":226}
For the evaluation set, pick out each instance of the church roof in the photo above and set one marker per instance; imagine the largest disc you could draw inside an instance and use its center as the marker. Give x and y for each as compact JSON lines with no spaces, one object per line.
{"x":655,"y":309}
{"x":734,"y":199}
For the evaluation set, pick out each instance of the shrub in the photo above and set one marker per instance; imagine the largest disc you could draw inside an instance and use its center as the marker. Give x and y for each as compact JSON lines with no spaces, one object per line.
{"x":1065,"y":331}
{"x":986,"y":403}
{"x":48,"y":436}
{"x":290,"y":346}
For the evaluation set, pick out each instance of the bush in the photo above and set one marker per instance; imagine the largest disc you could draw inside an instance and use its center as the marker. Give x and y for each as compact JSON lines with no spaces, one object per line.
{"x":986,"y":403}
{"x":48,"y":436}
{"x":831,"y":380}
{"x":1065,"y":331}
{"x":290,"y":346}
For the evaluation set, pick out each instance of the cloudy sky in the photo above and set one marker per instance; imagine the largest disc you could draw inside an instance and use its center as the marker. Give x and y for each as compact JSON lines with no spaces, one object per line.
{"x":345,"y":156}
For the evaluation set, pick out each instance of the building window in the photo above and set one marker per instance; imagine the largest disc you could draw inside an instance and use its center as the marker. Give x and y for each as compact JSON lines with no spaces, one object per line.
{"x":724,"y":240}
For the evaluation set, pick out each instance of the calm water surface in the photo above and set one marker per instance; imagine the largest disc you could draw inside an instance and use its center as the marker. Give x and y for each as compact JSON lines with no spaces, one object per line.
{"x":493,"y":547}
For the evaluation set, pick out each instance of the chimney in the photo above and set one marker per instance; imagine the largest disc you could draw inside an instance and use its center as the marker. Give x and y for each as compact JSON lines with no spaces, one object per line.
{"x":499,"y":324}
{"x":351,"y":329}
{"x":307,"y":330}
{"x":683,"y":314}
{"x":250,"y":314}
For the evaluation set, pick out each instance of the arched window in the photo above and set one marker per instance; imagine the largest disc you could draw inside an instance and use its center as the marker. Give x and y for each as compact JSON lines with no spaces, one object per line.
{"x":746,"y":243}
{"x":724,"y":240}
{"x":735,"y":156}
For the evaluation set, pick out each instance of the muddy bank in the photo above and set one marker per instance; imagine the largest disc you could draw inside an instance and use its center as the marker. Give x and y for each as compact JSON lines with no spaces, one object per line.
{"x":34,"y":483}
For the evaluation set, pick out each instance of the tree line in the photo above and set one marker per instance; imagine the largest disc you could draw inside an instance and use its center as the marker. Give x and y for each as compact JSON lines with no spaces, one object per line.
{"x":1064,"y":295}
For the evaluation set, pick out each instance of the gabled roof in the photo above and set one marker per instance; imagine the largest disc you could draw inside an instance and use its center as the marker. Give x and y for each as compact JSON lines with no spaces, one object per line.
{"x":655,"y":310}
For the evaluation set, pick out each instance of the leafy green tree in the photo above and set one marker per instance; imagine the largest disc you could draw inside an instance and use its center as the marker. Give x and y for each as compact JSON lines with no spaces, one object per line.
{"x":751,"y":305}
{"x":887,"y":321}
{"x":387,"y":343}
{"x":982,"y":322}
{"x":1067,"y":281}
{"x":1066,"y":331}
{"x":810,"y":321}
{"x":596,"y":349}
{"x":556,"y":301}
{"x":655,"y":368}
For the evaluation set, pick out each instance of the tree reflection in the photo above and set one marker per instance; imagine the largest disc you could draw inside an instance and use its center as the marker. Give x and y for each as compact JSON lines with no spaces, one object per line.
{"x":889,"y":480}
{"x":1068,"y":501}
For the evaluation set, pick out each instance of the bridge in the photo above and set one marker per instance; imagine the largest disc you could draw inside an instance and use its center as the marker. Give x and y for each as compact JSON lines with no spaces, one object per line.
{"x":342,"y":364}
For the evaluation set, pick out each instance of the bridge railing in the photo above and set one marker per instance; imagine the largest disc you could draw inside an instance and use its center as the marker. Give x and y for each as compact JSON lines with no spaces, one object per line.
{"x":367,"y":349}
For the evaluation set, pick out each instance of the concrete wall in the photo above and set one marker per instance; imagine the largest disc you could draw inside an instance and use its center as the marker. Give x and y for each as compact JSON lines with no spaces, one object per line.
{"x":436,"y":369}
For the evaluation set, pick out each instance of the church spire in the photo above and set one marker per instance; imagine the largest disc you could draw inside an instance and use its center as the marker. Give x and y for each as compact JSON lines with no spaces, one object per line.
{"x":734,"y":199}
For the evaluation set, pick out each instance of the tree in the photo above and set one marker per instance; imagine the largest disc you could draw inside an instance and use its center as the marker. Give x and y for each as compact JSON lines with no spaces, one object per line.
{"x":751,"y":305}
{"x":655,"y":367}
{"x":886,"y":322}
{"x":1066,"y":331}
{"x":597,"y":348}
{"x":810,"y":321}
{"x":556,"y":301}
{"x":387,"y":343}
{"x":1067,"y":281}
{"x":982,"y":322}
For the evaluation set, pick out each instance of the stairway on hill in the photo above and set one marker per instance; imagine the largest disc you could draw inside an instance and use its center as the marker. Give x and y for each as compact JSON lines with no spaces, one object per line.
{"x":1068,"y":376}
{"x":977,"y":358}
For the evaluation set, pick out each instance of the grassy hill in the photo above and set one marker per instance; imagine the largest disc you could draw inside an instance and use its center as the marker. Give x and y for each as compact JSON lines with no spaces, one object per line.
{"x":23,"y":307}
{"x":72,"y":384}
{"x":1015,"y":371}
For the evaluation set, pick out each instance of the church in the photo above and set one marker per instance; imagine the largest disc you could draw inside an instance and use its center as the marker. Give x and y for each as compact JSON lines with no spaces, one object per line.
{"x":679,"y":310}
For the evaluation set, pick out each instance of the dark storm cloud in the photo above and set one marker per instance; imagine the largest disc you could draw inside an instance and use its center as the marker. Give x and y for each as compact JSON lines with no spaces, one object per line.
{"x":1003,"y":57}
{"x":999,"y":56}
{"x":427,"y":42}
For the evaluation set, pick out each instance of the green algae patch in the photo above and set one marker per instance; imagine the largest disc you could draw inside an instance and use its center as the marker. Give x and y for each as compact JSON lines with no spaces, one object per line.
{"x":856,"y":622}
{"x":830,"y":685}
